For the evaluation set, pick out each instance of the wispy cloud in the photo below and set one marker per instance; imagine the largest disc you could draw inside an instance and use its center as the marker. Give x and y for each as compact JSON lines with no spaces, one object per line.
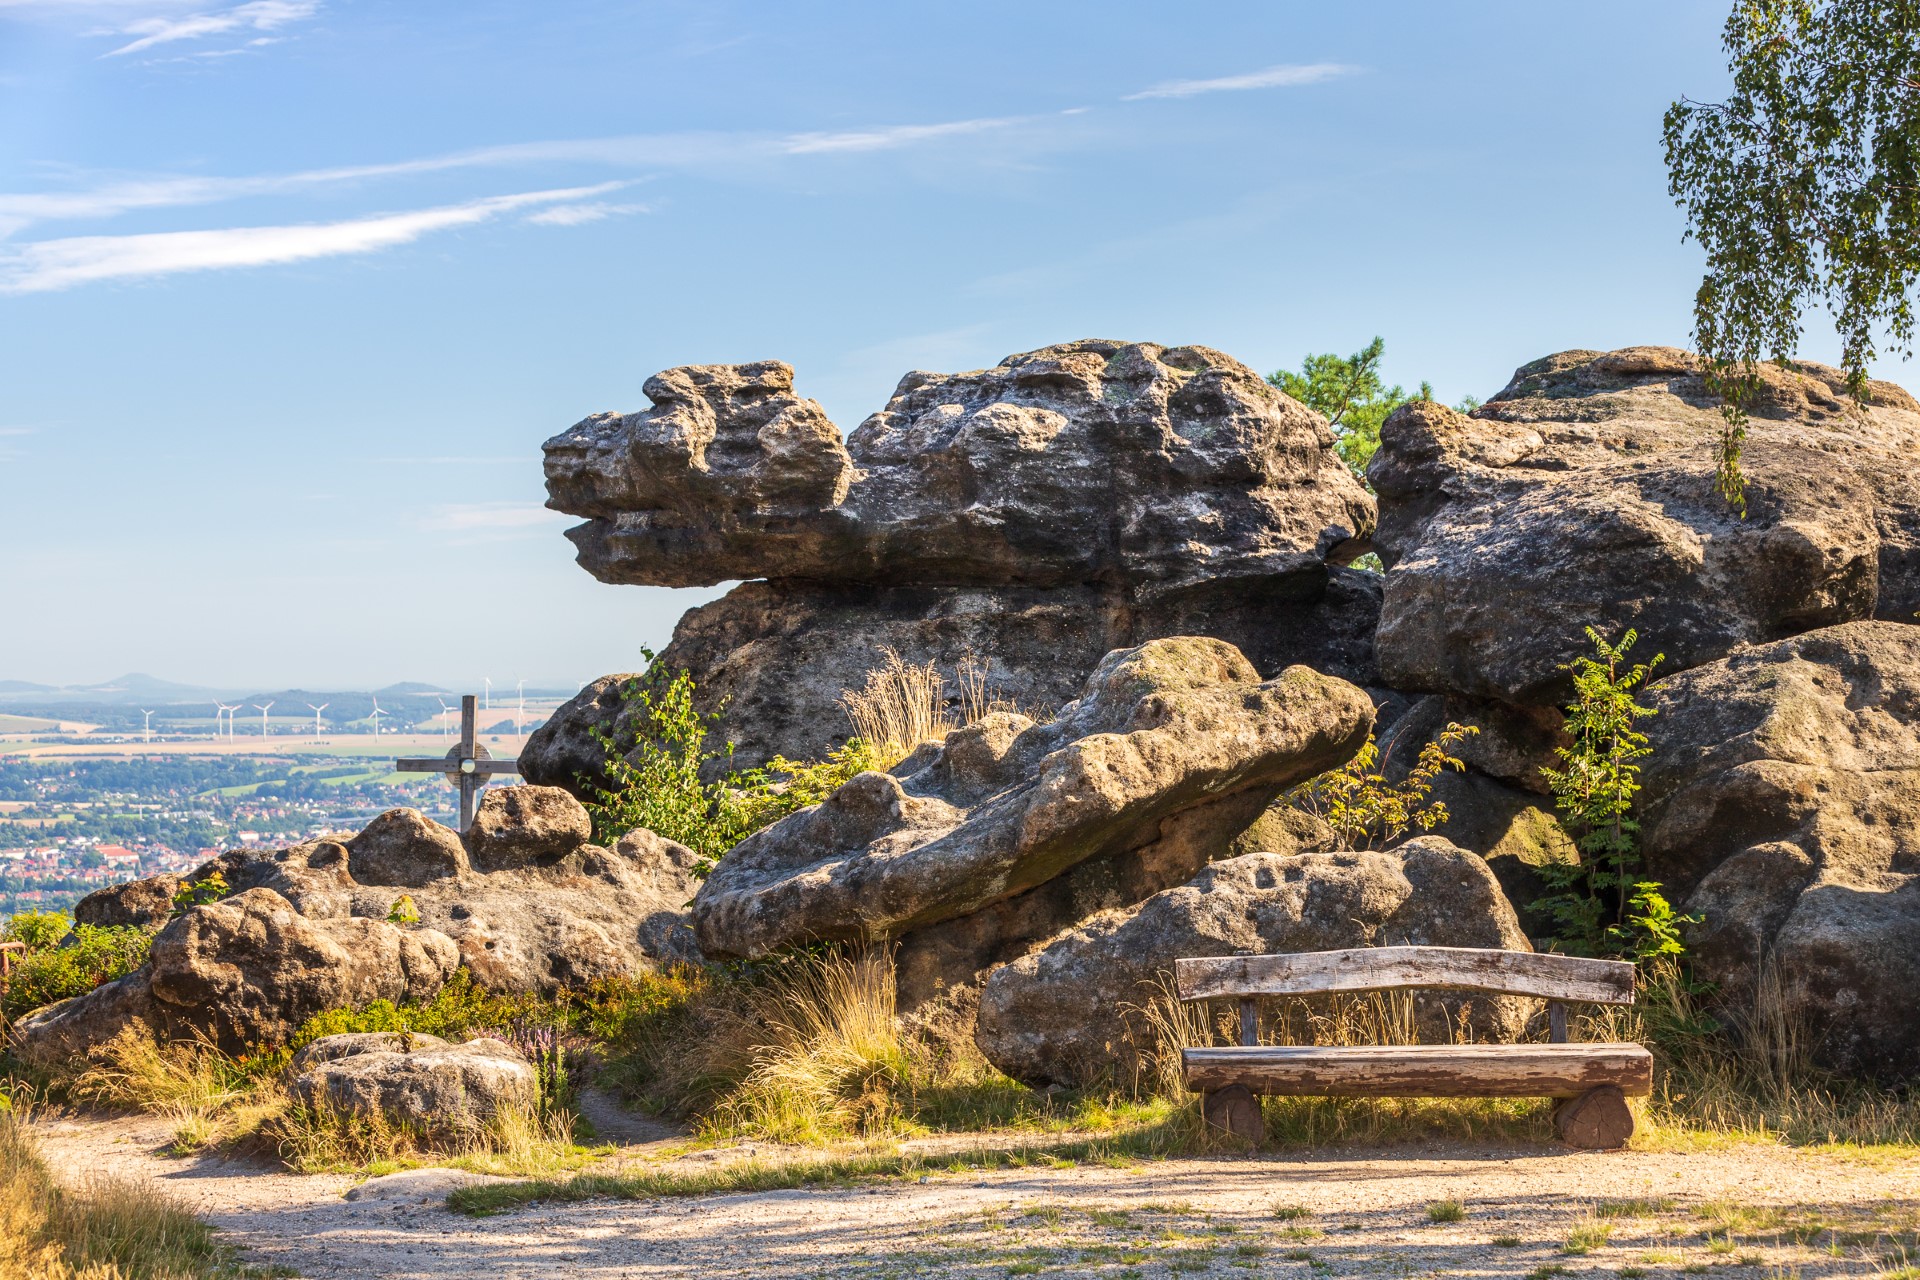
{"x":638,"y":151}
{"x":572,"y":215}
{"x":60,"y":264}
{"x":888,"y":137}
{"x":491,"y":517}
{"x":257,"y":15}
{"x":1284,"y":76}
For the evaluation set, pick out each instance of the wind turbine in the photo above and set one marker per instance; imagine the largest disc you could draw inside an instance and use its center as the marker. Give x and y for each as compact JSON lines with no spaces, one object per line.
{"x":316,"y":716}
{"x":263,"y":717}
{"x":446,"y":725}
{"x":229,"y":710}
{"x":148,"y":730}
{"x":376,"y":717}
{"x":521,"y":714}
{"x":486,"y":695}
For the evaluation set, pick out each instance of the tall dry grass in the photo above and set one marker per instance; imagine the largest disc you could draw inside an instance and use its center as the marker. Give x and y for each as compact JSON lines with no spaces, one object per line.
{"x":899,"y":707}
{"x":1747,"y":1072}
{"x":99,"y":1229}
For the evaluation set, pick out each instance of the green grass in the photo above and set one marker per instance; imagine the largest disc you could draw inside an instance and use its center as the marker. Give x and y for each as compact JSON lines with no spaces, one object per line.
{"x":1646,"y":1207}
{"x":1290,"y":1212}
{"x":1506,"y":1242}
{"x":1586,"y":1237}
{"x":1446,"y":1211}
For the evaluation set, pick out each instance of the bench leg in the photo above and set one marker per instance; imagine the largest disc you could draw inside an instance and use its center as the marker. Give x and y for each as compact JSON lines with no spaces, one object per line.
{"x":1235,"y":1109}
{"x":1598,"y":1120}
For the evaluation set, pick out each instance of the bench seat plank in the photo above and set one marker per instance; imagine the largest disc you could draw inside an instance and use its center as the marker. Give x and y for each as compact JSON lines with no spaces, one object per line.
{"x":1424,"y":1070}
{"x":1298,"y":973}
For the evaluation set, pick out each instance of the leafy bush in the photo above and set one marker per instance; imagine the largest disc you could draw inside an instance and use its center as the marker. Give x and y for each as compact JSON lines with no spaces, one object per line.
{"x":654,"y":777}
{"x":1365,"y":810}
{"x":1598,"y":903}
{"x":48,"y":971}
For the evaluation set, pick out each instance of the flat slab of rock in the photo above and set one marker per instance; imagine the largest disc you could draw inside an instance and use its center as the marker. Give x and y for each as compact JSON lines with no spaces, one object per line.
{"x":1582,"y":494}
{"x":1162,"y":735}
{"x":1073,"y":1011}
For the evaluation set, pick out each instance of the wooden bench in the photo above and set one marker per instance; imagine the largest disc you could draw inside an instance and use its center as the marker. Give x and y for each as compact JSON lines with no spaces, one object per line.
{"x":1592,"y":1080}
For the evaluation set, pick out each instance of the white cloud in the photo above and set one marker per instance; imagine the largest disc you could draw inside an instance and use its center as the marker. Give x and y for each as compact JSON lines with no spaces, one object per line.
{"x":60,"y":264}
{"x":257,"y":15}
{"x":19,"y":210}
{"x":491,"y":517}
{"x":572,"y":215}
{"x":1280,"y":77}
{"x":887,"y":137}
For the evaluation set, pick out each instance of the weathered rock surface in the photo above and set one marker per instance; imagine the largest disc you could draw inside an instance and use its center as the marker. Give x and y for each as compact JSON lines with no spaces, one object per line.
{"x":515,"y":827}
{"x":1782,"y":803}
{"x":1094,"y":461}
{"x":247,"y":970}
{"x":1073,"y":1012}
{"x":1172,"y":750}
{"x":771,"y":659}
{"x":143,"y":904}
{"x":415,"y":1080}
{"x":404,"y":847}
{"x":302,"y":933}
{"x":1072,"y":501}
{"x":1582,"y":494}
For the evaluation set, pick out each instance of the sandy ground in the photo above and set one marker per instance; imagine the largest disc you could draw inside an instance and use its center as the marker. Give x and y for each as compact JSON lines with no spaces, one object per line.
{"x":1365,"y":1213}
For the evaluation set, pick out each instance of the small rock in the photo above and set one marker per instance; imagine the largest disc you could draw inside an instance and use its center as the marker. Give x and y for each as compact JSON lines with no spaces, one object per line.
{"x":437,"y":1086}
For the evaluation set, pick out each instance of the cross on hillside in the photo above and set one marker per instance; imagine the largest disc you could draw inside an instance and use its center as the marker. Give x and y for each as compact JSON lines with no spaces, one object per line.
{"x":467,"y":766}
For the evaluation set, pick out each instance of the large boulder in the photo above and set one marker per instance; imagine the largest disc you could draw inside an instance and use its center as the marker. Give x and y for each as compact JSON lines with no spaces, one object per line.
{"x":1093,"y":461}
{"x":247,"y":971}
{"x":301,"y":933}
{"x":1075,"y":1011}
{"x":415,"y":1080}
{"x":1782,"y":805}
{"x":771,"y":659}
{"x":1583,"y":494}
{"x":1172,"y":750}
{"x":1035,"y":516}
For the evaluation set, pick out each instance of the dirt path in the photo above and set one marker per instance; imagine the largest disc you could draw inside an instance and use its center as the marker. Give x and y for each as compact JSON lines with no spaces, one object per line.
{"x":1365,"y":1213}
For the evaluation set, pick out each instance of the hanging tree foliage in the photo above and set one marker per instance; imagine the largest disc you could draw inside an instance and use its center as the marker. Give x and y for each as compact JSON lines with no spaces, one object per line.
{"x":1803,"y":185}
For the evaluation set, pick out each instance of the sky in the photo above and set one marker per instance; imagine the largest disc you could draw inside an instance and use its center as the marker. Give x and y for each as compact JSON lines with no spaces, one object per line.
{"x":291,"y":291}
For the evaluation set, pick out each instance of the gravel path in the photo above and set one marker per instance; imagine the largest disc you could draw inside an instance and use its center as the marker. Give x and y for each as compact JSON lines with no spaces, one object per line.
{"x":1352,"y":1212}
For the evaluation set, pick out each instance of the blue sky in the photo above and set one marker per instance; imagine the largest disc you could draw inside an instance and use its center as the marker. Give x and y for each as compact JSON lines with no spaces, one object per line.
{"x":291,"y":291}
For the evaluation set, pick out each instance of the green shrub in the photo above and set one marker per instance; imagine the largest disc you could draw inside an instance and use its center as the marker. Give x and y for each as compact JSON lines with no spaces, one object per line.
{"x":1368,"y":812}
{"x":48,"y":971}
{"x":653,"y":774}
{"x":1598,"y":904}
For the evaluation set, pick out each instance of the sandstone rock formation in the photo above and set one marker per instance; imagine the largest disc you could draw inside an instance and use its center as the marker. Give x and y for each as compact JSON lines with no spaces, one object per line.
{"x":1073,"y":1012}
{"x":143,"y":904}
{"x":532,"y":907}
{"x":1172,"y":750}
{"x":1782,"y":803}
{"x":1154,"y":467}
{"x":416,"y":1080}
{"x":1070,"y":501}
{"x":246,"y":970}
{"x":1582,"y":494}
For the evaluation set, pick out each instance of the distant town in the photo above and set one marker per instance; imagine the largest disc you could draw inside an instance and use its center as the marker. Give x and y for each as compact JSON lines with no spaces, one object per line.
{"x":108,"y":783}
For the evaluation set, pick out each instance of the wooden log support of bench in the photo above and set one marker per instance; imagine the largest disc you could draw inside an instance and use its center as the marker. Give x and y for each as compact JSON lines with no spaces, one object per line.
{"x":1593,"y":1080}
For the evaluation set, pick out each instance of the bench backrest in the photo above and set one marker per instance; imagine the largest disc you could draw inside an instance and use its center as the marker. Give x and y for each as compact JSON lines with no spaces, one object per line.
{"x":1300,"y":973}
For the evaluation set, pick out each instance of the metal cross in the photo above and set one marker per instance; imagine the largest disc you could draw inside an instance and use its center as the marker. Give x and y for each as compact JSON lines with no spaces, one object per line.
{"x":467,"y":766}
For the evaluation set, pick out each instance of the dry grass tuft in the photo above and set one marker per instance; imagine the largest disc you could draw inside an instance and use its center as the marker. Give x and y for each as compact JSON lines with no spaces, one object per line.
{"x":102,"y":1229}
{"x":900,"y":707}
